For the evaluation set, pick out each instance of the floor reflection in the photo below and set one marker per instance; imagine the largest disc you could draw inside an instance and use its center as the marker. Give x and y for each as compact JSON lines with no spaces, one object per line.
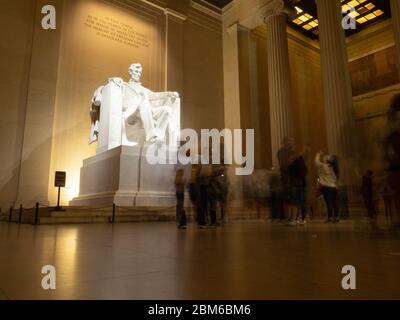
{"x":257,"y":260}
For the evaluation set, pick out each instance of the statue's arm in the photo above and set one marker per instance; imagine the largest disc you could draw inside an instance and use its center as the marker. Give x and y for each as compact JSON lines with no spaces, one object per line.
{"x":95,"y":114}
{"x":161,"y":95}
{"x":97,"y":97}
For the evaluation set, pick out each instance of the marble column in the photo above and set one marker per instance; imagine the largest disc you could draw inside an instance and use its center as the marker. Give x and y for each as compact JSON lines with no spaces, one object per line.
{"x":336,"y":81}
{"x":274,"y":16}
{"x":395,"y":6}
{"x":232,"y":104}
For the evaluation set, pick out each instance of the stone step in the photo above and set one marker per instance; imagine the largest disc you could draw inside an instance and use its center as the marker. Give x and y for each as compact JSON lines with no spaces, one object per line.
{"x":95,"y":218}
{"x":72,"y":220}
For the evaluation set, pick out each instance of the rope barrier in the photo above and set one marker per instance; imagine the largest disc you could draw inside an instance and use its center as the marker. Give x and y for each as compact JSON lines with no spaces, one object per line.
{"x":37,"y":221}
{"x":20,"y":214}
{"x":113,"y":213}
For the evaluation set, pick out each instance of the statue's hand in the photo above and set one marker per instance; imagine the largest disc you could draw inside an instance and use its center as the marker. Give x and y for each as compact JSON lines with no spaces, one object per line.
{"x":173,"y":95}
{"x":116,"y":80}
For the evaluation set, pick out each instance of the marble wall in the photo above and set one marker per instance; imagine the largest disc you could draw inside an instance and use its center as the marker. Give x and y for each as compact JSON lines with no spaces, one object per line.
{"x":15,"y":48}
{"x":28,"y":64}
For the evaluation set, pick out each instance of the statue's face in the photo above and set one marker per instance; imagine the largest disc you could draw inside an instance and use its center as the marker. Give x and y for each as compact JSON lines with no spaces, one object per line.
{"x":136,"y":72}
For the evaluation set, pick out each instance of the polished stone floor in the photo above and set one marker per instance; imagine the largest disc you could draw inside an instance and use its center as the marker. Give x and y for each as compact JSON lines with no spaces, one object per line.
{"x":256,"y":260}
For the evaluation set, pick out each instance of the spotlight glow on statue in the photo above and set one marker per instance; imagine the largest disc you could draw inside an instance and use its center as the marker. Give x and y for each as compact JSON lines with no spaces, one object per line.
{"x":129,"y":114}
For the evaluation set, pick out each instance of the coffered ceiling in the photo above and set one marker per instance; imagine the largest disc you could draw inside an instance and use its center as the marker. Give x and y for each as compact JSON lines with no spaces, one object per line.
{"x":365,"y":13}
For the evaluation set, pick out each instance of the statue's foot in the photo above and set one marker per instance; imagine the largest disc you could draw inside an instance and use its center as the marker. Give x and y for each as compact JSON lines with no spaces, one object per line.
{"x":160,"y":143}
{"x":157,"y":141}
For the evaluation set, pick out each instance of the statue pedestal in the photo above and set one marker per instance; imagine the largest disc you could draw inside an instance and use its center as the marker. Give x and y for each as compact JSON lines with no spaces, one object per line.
{"x":124,"y":176}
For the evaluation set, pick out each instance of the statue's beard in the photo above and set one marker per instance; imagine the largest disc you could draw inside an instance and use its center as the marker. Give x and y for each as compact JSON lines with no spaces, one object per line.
{"x":135,"y":79}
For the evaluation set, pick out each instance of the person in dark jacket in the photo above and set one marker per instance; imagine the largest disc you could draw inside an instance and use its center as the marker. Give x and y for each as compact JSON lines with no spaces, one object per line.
{"x":297,"y":175}
{"x":218,"y":190}
{"x":204,"y":200}
{"x":285,"y":156}
{"x":276,"y":195}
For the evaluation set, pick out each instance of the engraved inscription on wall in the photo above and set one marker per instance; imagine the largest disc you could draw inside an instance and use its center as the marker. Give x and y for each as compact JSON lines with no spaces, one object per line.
{"x":112,"y":29}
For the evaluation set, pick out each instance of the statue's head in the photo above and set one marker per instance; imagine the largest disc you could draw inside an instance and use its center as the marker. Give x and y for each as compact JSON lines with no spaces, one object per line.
{"x":135,"y":71}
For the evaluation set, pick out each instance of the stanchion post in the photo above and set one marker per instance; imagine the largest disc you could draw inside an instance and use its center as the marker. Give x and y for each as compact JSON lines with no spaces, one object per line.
{"x":113,"y":213}
{"x":20,"y":214}
{"x":10,"y":214}
{"x":37,"y":214}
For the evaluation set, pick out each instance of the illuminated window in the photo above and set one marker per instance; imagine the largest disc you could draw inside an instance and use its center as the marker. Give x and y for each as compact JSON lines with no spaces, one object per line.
{"x":364,"y":12}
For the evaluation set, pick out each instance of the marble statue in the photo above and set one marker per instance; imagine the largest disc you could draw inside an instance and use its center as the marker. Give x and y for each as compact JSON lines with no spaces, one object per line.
{"x":127,"y":121}
{"x":128,"y":114}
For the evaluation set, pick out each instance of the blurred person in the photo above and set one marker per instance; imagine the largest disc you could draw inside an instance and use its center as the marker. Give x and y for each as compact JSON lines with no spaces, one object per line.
{"x":316,"y":197}
{"x":204,"y":182}
{"x":222,"y":180}
{"x":392,"y":153}
{"x":194,"y":194}
{"x":297,"y":183}
{"x":276,"y":195}
{"x":328,"y":172}
{"x":215,"y":193}
{"x":367,"y":188}
{"x":285,"y":156}
{"x":180,"y":183}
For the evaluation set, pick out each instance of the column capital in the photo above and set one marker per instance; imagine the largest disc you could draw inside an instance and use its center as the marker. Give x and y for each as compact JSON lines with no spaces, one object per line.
{"x":275,"y":8}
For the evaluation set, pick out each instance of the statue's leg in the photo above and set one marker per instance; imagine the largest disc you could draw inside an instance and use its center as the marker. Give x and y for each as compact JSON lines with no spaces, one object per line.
{"x":148,"y":120}
{"x":174,"y":124}
{"x":162,"y":116}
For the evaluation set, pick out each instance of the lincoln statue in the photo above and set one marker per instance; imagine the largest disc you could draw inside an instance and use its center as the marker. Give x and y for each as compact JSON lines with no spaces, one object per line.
{"x":128,"y":114}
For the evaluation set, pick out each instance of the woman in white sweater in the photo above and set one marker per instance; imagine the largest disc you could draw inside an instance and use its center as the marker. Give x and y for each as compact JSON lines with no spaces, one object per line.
{"x":328,"y":173}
